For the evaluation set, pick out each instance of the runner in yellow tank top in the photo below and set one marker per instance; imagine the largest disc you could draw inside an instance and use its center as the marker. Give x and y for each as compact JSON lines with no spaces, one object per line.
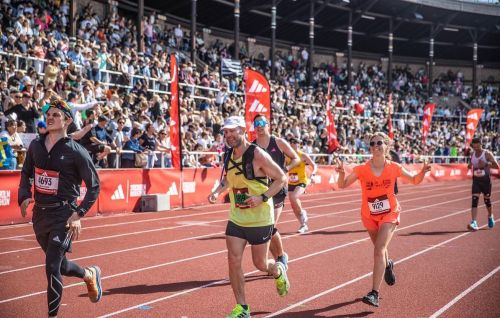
{"x":297,"y":183}
{"x":252,"y":216}
{"x":241,"y":189}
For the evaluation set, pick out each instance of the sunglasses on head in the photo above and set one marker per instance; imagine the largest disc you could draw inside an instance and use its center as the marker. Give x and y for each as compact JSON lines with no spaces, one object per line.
{"x":378,"y":143}
{"x":259,"y":123}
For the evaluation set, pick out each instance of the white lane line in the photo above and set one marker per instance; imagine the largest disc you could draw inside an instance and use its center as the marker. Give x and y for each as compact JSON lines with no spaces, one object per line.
{"x":291,"y":261}
{"x":329,"y":197}
{"x":323,"y":293}
{"x":223,"y":251}
{"x":464,"y":293}
{"x":206,"y":222}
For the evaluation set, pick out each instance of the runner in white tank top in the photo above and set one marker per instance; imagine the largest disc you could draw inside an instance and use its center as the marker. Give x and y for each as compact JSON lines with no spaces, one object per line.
{"x":481,"y":162}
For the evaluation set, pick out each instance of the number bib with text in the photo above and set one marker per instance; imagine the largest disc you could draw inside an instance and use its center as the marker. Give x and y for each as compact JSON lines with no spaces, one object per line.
{"x":240,"y":196}
{"x":46,"y":181}
{"x":293,"y":177}
{"x":479,"y":173}
{"x":379,"y":205}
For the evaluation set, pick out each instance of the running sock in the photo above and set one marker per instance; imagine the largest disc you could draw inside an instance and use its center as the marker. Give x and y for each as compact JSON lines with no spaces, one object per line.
{"x":244,"y":306}
{"x":375,"y":292}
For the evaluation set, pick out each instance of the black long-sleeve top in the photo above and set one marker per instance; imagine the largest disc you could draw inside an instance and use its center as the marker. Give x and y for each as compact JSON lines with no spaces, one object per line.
{"x":58,"y":174}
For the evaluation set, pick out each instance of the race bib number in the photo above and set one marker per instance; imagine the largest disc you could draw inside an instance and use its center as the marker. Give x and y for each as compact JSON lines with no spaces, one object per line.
{"x":293,"y":177}
{"x":46,"y":181}
{"x":240,"y":196}
{"x":379,"y":205}
{"x":479,"y":173}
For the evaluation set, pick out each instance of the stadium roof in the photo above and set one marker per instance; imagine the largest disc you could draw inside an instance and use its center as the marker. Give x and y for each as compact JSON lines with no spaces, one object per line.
{"x":454,"y":23}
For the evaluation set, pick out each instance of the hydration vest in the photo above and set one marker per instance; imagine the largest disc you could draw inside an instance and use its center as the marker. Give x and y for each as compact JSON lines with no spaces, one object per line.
{"x":246,"y":166}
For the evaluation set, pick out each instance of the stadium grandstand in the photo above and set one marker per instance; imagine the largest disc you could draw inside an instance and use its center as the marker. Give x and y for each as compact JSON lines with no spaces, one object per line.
{"x":110,"y":59}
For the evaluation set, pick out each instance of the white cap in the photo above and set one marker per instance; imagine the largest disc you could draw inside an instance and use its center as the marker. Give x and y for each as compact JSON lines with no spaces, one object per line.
{"x":234,"y":121}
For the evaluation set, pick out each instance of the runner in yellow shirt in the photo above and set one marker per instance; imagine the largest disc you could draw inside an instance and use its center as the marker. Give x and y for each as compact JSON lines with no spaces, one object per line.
{"x":297,"y":183}
{"x":251,"y":219}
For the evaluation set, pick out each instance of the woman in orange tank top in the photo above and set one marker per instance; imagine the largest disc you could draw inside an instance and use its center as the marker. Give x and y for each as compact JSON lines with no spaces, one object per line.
{"x":379,"y":206}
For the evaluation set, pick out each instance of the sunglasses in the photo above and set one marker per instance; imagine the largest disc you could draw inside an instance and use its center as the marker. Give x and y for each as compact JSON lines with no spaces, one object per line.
{"x":259,"y":123}
{"x":378,"y":143}
{"x":121,"y":122}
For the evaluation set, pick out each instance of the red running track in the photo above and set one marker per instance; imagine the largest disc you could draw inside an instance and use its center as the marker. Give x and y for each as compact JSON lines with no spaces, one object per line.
{"x":174,"y":264}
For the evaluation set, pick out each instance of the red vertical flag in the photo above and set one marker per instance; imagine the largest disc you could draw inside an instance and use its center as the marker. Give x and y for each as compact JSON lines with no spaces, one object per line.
{"x":473,"y":117}
{"x":333,"y":142}
{"x":175,"y":122}
{"x":427,"y":119}
{"x":257,"y":99}
{"x":389,"y":119}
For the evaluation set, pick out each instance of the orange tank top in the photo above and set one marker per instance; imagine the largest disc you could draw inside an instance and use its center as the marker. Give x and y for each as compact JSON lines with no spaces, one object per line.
{"x":378,"y":196}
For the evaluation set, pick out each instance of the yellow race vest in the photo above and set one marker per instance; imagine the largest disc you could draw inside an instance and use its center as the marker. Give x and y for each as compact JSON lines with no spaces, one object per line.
{"x":240,"y":188}
{"x":297,"y":174}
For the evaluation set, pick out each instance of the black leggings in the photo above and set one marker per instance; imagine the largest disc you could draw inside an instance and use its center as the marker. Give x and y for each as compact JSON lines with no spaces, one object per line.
{"x":50,"y":230}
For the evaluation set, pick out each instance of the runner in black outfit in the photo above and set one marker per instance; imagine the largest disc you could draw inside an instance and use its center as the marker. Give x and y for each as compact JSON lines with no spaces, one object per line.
{"x":57,"y":165}
{"x":277,"y":148}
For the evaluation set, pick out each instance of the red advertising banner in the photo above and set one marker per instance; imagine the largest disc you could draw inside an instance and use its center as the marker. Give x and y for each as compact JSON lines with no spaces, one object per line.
{"x":389,"y":118}
{"x":473,"y":117}
{"x":121,"y":190}
{"x":257,"y":99}
{"x":198,"y":183}
{"x":427,"y":119}
{"x":175,"y":124}
{"x":333,"y":143}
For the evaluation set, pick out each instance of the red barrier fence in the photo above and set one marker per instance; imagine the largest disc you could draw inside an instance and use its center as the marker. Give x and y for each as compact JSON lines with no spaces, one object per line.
{"x":121,"y":190}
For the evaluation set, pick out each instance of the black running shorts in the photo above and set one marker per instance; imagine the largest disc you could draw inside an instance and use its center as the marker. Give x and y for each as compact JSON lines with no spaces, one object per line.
{"x":291,"y":187}
{"x":253,"y":235}
{"x":481,"y":186}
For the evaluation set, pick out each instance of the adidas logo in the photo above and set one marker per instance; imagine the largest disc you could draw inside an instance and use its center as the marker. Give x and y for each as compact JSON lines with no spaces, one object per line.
{"x":56,"y":239}
{"x":333,"y":179}
{"x":473,"y":116}
{"x":257,"y":87}
{"x":118,"y":194}
{"x":173,"y":189}
{"x":257,"y":107}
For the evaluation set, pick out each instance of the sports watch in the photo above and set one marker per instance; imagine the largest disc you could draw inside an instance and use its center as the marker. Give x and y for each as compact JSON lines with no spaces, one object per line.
{"x":264,"y":197}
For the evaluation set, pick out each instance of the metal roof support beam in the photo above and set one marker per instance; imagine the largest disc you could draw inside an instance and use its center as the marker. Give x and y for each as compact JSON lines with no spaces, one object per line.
{"x":431,"y":60}
{"x":389,"y":64}
{"x":193,"y":31}
{"x":273,"y":40}
{"x":349,"y":52}
{"x":140,"y":26}
{"x":236,"y":29}
{"x":311,"y":44}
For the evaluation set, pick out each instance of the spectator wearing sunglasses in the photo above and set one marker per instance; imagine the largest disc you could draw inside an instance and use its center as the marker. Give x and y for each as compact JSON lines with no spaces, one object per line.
{"x":380,"y":208}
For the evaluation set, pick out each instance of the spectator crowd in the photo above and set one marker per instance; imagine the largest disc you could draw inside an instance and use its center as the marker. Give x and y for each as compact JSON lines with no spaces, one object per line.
{"x":120,"y":102}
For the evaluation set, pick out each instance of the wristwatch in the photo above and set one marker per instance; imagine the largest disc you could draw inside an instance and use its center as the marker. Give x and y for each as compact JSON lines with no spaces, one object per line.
{"x":264,"y":197}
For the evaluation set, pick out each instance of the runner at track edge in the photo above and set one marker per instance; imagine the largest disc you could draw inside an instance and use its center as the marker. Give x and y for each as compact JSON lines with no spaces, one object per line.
{"x":380,"y":209}
{"x":251,"y":218}
{"x":57,"y":165}
{"x":297,"y":183}
{"x":278,"y":149}
{"x":481,"y":161}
